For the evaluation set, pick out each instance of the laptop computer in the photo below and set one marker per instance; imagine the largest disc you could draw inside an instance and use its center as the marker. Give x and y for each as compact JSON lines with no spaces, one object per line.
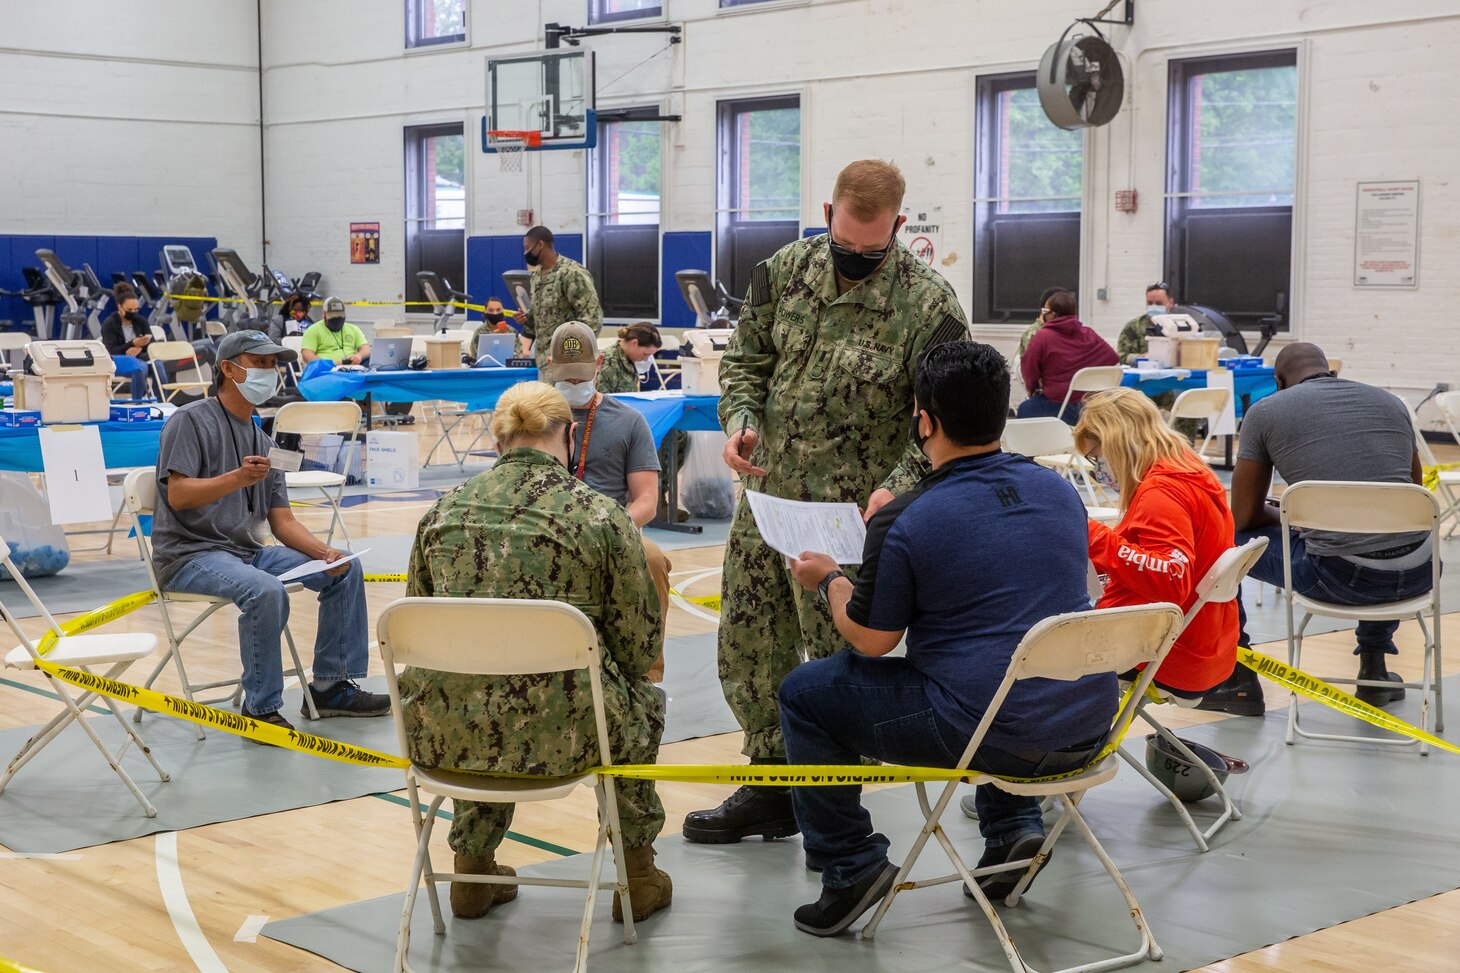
{"x":495,"y":349}
{"x":390,"y":354}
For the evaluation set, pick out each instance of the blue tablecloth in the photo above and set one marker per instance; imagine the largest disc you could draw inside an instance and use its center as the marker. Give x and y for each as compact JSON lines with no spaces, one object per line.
{"x":123,"y":444}
{"x":692,"y":413}
{"x":1249,"y":383}
{"x":479,"y":388}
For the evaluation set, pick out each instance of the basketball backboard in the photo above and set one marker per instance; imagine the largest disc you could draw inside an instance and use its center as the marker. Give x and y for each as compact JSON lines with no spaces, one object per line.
{"x":548,"y":92}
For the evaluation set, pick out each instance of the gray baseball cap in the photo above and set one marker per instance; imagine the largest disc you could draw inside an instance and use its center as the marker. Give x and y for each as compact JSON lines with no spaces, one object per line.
{"x":333,"y":308}
{"x":252,"y":343}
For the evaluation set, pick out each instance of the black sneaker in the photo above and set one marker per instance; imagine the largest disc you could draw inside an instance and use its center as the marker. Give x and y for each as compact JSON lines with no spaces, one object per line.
{"x":1240,"y":695}
{"x":998,"y":886}
{"x":275,"y":719}
{"x":750,"y":811}
{"x":347,"y":699}
{"x":839,"y":908}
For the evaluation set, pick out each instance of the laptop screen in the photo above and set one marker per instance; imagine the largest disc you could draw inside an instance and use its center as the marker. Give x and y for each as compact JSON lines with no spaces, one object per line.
{"x":496,"y":348}
{"x":390,"y":353}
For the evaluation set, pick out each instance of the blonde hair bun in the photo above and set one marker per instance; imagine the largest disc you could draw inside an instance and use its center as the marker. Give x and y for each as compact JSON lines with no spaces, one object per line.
{"x":528,"y":410}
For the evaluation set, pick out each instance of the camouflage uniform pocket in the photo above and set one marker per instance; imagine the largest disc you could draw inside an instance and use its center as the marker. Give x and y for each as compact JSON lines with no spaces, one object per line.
{"x":868,"y":379}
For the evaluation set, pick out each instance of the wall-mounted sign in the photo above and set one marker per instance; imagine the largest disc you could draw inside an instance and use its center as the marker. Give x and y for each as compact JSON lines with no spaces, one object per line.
{"x":364,"y":243}
{"x":923,"y":235}
{"x":1386,"y":234}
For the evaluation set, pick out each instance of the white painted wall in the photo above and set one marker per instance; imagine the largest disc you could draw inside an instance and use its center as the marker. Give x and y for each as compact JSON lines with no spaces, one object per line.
{"x":889,"y":78}
{"x":130,"y":117}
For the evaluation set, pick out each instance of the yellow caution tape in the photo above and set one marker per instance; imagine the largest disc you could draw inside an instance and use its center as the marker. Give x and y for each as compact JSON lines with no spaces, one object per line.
{"x":10,"y":966}
{"x":712,"y":602}
{"x":385,"y":577}
{"x":432,"y":304}
{"x":97,"y":616}
{"x":1432,"y":475}
{"x":1305,"y":685}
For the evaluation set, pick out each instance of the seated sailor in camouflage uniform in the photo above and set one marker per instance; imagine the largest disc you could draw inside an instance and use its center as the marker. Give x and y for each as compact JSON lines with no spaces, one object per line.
{"x":527,"y":528}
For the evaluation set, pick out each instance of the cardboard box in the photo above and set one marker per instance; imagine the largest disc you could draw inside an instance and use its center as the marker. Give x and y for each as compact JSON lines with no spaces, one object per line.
{"x":19,"y":418}
{"x":130,"y":412}
{"x":393,"y":460}
{"x":443,"y":352}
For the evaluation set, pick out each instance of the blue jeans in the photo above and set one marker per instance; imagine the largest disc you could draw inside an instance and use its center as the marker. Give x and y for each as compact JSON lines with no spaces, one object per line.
{"x":340,"y":647}
{"x":839,"y":709}
{"x":1039,"y":407}
{"x":1335,"y":580}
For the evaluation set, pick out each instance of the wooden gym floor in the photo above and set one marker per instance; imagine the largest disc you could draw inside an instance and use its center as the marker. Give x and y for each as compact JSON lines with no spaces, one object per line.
{"x":104,"y":908}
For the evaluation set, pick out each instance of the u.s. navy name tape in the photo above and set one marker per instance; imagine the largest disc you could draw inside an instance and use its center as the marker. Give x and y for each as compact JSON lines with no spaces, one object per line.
{"x":1305,"y":685}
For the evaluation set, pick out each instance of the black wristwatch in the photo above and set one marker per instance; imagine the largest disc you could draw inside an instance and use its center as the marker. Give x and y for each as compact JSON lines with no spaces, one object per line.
{"x":825,"y":587}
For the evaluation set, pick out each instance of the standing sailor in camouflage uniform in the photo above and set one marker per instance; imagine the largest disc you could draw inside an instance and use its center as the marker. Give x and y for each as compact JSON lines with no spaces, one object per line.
{"x":819,"y":375}
{"x":561,"y":290}
{"x":527,"y":529}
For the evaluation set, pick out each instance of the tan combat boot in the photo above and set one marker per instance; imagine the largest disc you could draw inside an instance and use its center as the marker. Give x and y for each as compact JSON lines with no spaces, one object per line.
{"x":649,"y":888}
{"x":472,"y":900}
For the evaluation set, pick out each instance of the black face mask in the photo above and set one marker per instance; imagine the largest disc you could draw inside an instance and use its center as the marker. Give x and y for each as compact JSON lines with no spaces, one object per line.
{"x":533,"y":259}
{"x":495,"y":317}
{"x":918,"y":437}
{"x":334,"y":324}
{"x":854,"y":266}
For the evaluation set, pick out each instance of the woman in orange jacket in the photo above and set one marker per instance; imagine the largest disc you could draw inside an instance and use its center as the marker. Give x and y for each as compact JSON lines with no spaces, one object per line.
{"x":1176,"y":525}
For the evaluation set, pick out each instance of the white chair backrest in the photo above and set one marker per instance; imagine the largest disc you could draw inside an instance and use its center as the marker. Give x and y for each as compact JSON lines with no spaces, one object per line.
{"x":1227,"y":351}
{"x":671,"y":341}
{"x":1360,"y":508}
{"x":294,"y":342}
{"x":1200,"y":404}
{"x":317,"y":417}
{"x":139,"y":491}
{"x":393,"y":331}
{"x":1070,"y":647}
{"x":215,"y":329}
{"x":1421,"y":445}
{"x":1096,"y":378}
{"x":1449,"y":406}
{"x":10,"y":340}
{"x":490,"y":636}
{"x":606,"y":342}
{"x":1038,"y":437}
{"x":1220,"y":584}
{"x":169,"y":351}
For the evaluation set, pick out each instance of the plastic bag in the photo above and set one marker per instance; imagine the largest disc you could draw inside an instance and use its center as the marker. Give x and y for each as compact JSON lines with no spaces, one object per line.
{"x":707,"y":487}
{"x":329,"y":451}
{"x":37,"y":547}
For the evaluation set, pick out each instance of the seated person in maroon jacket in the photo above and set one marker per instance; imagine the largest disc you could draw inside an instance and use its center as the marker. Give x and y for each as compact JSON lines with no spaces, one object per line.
{"x":1061,"y":348}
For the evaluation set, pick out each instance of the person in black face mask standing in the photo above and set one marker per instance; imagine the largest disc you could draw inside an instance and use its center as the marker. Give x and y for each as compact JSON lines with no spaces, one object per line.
{"x":334,"y":338}
{"x":816,"y":390}
{"x":561,"y":291}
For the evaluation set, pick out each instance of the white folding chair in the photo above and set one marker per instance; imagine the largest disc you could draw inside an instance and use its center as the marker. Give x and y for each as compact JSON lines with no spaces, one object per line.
{"x":524,"y":637}
{"x":159,"y":353}
{"x":1367,"y":508}
{"x":1050,"y":442}
{"x":295,"y":343}
{"x":1206,"y":405}
{"x":1065,"y":647}
{"x":119,"y":649}
{"x":320,"y":418}
{"x":1097,"y":378}
{"x":1219,"y":585}
{"x":139,"y":494}
{"x":1449,"y":406}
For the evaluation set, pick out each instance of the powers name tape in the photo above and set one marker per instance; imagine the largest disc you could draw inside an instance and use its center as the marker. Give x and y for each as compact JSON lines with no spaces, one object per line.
{"x":1305,"y":685}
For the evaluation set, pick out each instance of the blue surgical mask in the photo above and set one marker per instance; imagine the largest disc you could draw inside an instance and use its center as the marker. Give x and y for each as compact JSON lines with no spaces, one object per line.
{"x":260,"y":385}
{"x":1156,"y":309}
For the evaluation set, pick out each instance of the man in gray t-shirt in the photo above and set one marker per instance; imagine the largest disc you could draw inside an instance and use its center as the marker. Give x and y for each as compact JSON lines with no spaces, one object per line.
{"x":218,"y":499}
{"x":619,"y":459}
{"x":1321,"y":427}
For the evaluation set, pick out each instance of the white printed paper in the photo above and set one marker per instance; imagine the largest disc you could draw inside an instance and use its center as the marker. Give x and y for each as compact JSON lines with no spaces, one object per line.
{"x":75,"y":474}
{"x":288,"y":460}
{"x":793,"y":527}
{"x":316,"y":567}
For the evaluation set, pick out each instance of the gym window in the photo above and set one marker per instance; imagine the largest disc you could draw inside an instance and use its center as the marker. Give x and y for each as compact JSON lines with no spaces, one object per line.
{"x":609,"y":11}
{"x":758,"y":195}
{"x":1027,"y":201}
{"x":739,"y":3}
{"x":1232,"y":154}
{"x":623,"y":217}
{"x":431,"y":22}
{"x":435,"y":204}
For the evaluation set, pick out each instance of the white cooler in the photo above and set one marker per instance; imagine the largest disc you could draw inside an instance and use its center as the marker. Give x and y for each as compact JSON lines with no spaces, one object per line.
{"x":72,"y":381}
{"x":700,"y":374}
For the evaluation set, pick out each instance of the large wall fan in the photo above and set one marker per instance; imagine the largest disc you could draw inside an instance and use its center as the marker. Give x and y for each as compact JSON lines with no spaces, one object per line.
{"x":1080,"y":80}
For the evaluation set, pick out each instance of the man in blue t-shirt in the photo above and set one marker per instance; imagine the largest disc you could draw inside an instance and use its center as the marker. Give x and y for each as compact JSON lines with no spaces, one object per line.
{"x":988,"y":545}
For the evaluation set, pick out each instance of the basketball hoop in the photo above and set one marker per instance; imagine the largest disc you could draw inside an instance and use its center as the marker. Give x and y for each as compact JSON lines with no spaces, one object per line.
{"x":510,"y":144}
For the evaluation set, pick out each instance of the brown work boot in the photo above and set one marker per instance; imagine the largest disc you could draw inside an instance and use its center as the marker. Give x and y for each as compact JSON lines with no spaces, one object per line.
{"x":472,"y":900}
{"x":649,"y":888}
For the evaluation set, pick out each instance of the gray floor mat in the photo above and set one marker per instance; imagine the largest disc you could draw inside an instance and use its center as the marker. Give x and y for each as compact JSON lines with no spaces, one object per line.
{"x":1330,"y":833}
{"x":82,"y":585}
{"x":697,"y":706}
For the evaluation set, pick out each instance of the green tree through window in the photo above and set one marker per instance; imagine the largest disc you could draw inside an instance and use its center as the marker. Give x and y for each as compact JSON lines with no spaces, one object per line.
{"x":1037,"y":158}
{"x":1243,"y":133}
{"x":770,"y":164}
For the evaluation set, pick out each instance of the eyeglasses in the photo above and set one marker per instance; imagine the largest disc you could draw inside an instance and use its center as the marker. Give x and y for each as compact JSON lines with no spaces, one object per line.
{"x":837,"y":248}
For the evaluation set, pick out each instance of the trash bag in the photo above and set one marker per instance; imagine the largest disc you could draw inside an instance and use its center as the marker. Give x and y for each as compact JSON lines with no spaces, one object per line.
{"x":37,"y":547}
{"x":707,"y":487}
